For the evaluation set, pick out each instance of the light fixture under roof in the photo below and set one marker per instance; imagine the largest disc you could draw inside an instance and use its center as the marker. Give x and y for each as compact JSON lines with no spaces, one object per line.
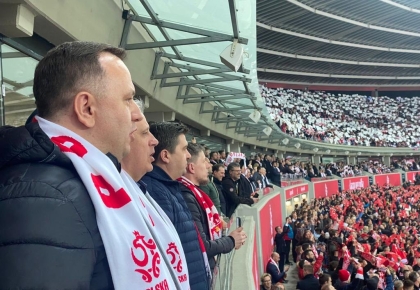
{"x":255,"y":116}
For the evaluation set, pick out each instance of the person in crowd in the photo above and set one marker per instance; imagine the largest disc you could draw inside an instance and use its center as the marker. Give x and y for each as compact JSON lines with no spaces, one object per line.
{"x":415,"y":278}
{"x":245,"y":186}
{"x":170,"y":162}
{"x":231,"y":192}
{"x":266,"y":283}
{"x":276,"y":174}
{"x":205,"y":215}
{"x":309,"y":281}
{"x":214,"y":157}
{"x":222,"y":156}
{"x":398,"y":285}
{"x":277,"y":276}
{"x":66,"y":232}
{"x":408,"y":284}
{"x":344,"y":119}
{"x":288,"y":237}
{"x":280,"y":246}
{"x":218,"y":175}
{"x":211,"y":190}
{"x":325,"y":279}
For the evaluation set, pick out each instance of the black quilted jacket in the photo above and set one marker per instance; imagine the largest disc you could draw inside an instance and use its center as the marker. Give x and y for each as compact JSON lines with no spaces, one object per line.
{"x":49,"y":238}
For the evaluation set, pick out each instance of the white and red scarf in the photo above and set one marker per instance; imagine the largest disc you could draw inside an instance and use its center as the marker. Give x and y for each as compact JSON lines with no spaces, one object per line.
{"x":139,"y":255}
{"x":271,"y":261}
{"x":213,"y":220}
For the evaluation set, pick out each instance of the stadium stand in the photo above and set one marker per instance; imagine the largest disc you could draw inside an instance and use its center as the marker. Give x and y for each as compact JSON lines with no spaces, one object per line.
{"x":345,"y":119}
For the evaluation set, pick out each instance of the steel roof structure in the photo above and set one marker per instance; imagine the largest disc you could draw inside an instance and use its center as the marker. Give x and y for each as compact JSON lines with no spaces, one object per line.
{"x":358,"y":42}
{"x":292,"y":42}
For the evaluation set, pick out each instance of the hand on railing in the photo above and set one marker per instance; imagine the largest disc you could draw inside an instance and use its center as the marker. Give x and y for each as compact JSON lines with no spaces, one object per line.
{"x":255,"y":199}
{"x":239,"y":236}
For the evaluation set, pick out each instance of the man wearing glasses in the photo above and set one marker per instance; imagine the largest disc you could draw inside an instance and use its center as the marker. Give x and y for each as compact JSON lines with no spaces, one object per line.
{"x":231,"y":188}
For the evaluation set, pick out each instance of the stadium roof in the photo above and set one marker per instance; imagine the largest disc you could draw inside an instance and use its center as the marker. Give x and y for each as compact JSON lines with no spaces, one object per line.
{"x":358,"y":42}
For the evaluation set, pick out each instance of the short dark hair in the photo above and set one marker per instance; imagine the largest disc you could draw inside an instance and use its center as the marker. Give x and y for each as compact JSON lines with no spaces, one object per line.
{"x":216,"y":167}
{"x":232,"y":165}
{"x":66,"y":69}
{"x":213,"y":152}
{"x":408,"y":284}
{"x":306,"y":252}
{"x":323,"y":278}
{"x":194,"y":150}
{"x":413,"y":276}
{"x":167,"y":134}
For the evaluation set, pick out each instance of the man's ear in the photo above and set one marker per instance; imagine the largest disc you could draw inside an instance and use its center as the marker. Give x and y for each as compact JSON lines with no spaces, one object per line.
{"x":85,"y":107}
{"x":165,"y":156}
{"x":191,"y":168}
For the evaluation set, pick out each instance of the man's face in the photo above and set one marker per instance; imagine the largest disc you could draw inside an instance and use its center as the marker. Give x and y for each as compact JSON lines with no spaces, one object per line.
{"x":235,"y":173}
{"x":223,"y":155}
{"x":276,"y":258}
{"x":178,"y":159}
{"x":201,"y":168}
{"x":262,"y":171}
{"x":142,"y":148}
{"x":219,"y":174}
{"x":310,"y":255}
{"x":116,"y":111}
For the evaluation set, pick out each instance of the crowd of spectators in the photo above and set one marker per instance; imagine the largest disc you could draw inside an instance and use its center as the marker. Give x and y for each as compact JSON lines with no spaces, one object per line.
{"x":406,"y":165}
{"x":362,"y":239}
{"x":345,"y":119}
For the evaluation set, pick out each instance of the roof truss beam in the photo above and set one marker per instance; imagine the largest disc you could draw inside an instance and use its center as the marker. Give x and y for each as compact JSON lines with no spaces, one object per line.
{"x":185,"y":28}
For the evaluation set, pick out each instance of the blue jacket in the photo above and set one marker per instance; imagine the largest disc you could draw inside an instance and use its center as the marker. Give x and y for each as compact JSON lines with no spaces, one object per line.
{"x":276,"y":275}
{"x":167,"y":193}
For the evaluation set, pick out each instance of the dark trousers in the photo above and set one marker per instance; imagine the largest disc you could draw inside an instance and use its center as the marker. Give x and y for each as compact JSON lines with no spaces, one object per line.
{"x":287,"y":251}
{"x":294,"y":254}
{"x":282,"y":261}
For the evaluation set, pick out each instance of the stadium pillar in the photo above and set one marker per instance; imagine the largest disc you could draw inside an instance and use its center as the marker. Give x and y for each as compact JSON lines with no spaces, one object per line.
{"x":235,"y":147}
{"x":16,"y":20}
{"x":387,"y":160}
{"x":316,"y":159}
{"x":351,"y":160}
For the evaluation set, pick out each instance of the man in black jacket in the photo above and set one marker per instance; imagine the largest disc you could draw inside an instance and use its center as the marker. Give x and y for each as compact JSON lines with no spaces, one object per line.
{"x":280,"y":246}
{"x":275,"y":174}
{"x":218,"y":175}
{"x":196,"y":173}
{"x":231,"y":189}
{"x":309,"y":282}
{"x":49,"y":237}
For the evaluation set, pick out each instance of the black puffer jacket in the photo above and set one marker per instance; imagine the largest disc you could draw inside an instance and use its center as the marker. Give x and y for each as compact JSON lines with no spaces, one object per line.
{"x":220,"y":246}
{"x":49,"y":238}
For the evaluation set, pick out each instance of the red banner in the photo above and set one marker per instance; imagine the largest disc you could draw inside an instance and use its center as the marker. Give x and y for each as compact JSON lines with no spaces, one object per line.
{"x":255,"y":263}
{"x":411,"y":176}
{"x":352,"y":183}
{"x":270,"y":217}
{"x":393,"y":179}
{"x":296,"y":190}
{"x":325,"y":188}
